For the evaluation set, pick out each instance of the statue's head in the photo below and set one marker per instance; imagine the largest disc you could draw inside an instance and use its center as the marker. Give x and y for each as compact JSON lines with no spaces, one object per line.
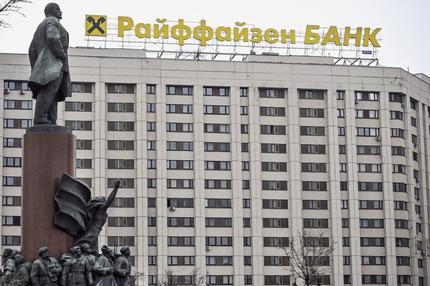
{"x":85,"y":247}
{"x":43,"y":252}
{"x":106,"y":250}
{"x":19,"y":259}
{"x":125,"y":251}
{"x":53,"y":10}
{"x":76,"y":250}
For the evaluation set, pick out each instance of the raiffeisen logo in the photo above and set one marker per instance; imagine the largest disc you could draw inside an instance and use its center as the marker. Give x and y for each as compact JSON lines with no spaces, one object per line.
{"x":96,"y":25}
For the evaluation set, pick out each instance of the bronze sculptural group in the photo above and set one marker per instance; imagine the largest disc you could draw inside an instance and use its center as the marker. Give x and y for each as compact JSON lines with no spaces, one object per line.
{"x":76,"y":268}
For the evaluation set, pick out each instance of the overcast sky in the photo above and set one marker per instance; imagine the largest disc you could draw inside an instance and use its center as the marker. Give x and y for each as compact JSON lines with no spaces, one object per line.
{"x":405,"y":24}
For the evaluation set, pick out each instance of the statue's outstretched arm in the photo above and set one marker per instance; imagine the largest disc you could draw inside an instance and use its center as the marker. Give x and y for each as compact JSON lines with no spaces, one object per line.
{"x":112,"y":195}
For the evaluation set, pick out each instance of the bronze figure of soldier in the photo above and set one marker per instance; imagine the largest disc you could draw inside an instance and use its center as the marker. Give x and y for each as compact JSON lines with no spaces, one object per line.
{"x":123,"y":267}
{"x":45,"y":270}
{"x":76,"y":271}
{"x":9,"y":267}
{"x":50,"y":79}
{"x":21,"y":277}
{"x":88,"y":255}
{"x":104,"y":268}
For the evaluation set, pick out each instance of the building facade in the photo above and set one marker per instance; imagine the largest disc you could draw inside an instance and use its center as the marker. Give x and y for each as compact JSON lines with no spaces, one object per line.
{"x":222,"y":163}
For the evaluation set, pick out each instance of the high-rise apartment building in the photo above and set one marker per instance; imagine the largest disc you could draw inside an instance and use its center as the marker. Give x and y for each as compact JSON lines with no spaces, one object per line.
{"x":222,"y":163}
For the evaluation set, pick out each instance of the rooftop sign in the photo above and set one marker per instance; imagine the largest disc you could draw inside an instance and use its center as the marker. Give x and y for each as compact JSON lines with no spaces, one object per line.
{"x":180,"y":31}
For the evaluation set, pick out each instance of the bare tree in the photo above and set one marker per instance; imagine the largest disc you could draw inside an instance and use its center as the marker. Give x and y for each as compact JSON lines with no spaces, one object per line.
{"x":199,"y":277}
{"x":10,"y":6}
{"x":309,"y":254}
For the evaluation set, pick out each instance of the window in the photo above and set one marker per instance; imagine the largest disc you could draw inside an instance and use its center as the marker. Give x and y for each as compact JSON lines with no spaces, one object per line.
{"x":401,"y":223}
{"x":180,"y":183}
{"x":246,"y":203}
{"x":120,"y":240}
{"x":399,"y":168}
{"x":123,"y":203}
{"x":151,"y":145}
{"x":367,"y":131}
{"x":151,"y":183}
{"x":369,"y":168}
{"x":273,"y":129}
{"x":216,"y":91}
{"x":371,"y":204}
{"x":84,"y":144}
{"x":11,"y":201}
{"x":273,"y":148}
{"x":396,"y":97}
{"x":276,"y":280}
{"x":180,"y":146}
{"x":120,"y":163}
{"x":273,"y":166}
{"x":11,"y":240}
{"x":12,"y":162}
{"x":150,"y":88}
{"x":219,"y":241}
{"x":82,"y":87}
{"x":151,"y":108}
{"x":180,"y":222}
{"x":12,"y":142}
{"x":120,"y":145}
{"x":18,"y":104}
{"x":274,"y":185}
{"x":398,"y":151}
{"x":272,"y":92}
{"x":216,"y":147}
{"x":373,"y":260}
{"x":218,"y":203}
{"x":243,"y":91}
{"x":272,"y":111}
{"x":315,"y":223}
{"x":180,"y":280}
{"x":397,"y":133}
{"x":276,"y":241}
{"x":216,"y":128}
{"x":219,"y":279}
{"x":341,"y":131}
{"x":311,"y":94}
{"x":217,"y":165}
{"x":366,"y":114}
{"x":11,"y":220}
{"x":121,"y":125}
{"x":370,"y":186}
{"x":120,"y":88}
{"x":244,"y":128}
{"x":314,"y":186}
{"x":179,"y":108}
{"x":402,"y":242}
{"x":371,"y":223}
{"x":368,"y":150}
{"x":244,"y":147}
{"x":180,"y":241}
{"x":126,"y":183}
{"x":315,"y":204}
{"x":121,"y":221}
{"x":179,"y":127}
{"x":179,"y":90}
{"x":152,"y":260}
{"x":17,"y":123}
{"x":245,"y":165}
{"x":340,"y":94}
{"x":218,"y":222}
{"x":217,"y":184}
{"x":312,"y":130}
{"x":313,"y":149}
{"x":312,"y":112}
{"x":276,"y":261}
{"x":79,"y":125}
{"x":219,"y":260}
{"x":401,"y":205}
{"x":314,"y":167}
{"x":394,"y":114}
{"x":399,"y":187}
{"x":151,"y":126}
{"x":216,"y":109}
{"x":373,"y":279}
{"x":366,"y":96}
{"x":180,"y":165}
{"x":84,"y":164}
{"x":344,"y":204}
{"x":275,"y":204}
{"x":372,"y":241}
{"x":275,"y":222}
{"x":244,"y":110}
{"x":340,"y":113}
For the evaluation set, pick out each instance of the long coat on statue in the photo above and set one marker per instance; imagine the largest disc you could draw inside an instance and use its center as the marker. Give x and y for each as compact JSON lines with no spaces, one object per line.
{"x":103,"y":270}
{"x":122,"y":271}
{"x":48,"y":61}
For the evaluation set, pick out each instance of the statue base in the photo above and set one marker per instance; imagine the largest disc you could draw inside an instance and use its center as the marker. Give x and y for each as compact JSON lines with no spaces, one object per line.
{"x":49,"y":151}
